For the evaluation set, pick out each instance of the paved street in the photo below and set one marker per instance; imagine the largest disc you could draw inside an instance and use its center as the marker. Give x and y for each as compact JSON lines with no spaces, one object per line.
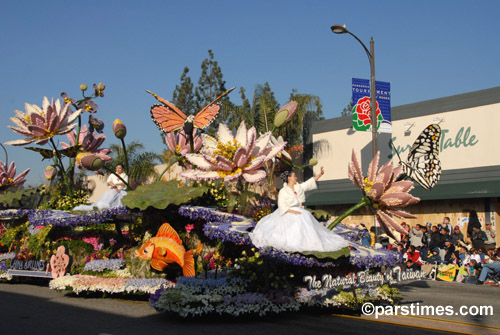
{"x":32,"y":309}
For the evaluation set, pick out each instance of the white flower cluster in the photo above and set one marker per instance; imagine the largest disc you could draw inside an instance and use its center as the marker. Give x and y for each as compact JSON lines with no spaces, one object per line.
{"x":7,"y":256}
{"x":5,"y":276}
{"x":198,"y":296}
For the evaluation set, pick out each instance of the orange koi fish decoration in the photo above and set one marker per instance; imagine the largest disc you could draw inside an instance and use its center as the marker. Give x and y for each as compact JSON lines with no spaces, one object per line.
{"x":165,"y":248}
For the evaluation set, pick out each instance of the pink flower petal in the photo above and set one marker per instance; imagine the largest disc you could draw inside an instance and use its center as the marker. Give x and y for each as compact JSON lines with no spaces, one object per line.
{"x":224,"y":133}
{"x":275,"y":151}
{"x":240,"y":157}
{"x":401,"y":214}
{"x":241,"y":134}
{"x":391,"y":223}
{"x":21,"y":141}
{"x":372,"y":168}
{"x":200,"y":161}
{"x":251,"y":137}
{"x":255,"y":163}
{"x":170,"y":141}
{"x":254,"y":176}
{"x":356,"y":170}
{"x":403,"y":186}
{"x":37,"y":130}
{"x":233,"y":177}
{"x":261,"y":143}
{"x":200,"y":175}
{"x":224,"y":163}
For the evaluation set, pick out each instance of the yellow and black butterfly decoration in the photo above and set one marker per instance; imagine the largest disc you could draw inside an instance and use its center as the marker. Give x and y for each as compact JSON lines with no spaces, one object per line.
{"x":423,"y":164}
{"x":70,"y":152}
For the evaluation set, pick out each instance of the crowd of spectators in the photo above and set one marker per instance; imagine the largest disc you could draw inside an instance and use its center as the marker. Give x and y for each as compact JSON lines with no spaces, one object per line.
{"x":425,"y":247}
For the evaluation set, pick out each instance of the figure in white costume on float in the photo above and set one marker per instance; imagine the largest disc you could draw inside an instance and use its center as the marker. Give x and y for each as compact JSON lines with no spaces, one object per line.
{"x":292,"y":228}
{"x":112,"y":197}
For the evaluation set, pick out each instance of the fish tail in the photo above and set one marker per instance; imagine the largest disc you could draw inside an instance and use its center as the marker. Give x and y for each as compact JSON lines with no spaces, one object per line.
{"x":188,"y":268}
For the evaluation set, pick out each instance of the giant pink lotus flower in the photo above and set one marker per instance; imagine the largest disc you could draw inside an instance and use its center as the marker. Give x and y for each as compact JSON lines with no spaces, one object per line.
{"x":7,"y":176}
{"x":89,"y":144}
{"x":231,"y":157}
{"x":180,"y":145}
{"x":383,"y":192}
{"x":41,"y":124}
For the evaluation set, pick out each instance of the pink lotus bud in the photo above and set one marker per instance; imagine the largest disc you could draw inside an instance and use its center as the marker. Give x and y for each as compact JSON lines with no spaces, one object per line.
{"x":89,"y":161}
{"x":119,"y":129}
{"x":50,"y":172}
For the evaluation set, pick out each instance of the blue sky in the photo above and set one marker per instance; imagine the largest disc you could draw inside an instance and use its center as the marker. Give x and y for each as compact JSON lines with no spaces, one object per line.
{"x":425,"y":49}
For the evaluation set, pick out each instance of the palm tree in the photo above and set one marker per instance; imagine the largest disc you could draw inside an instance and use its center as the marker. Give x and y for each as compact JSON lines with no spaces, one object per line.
{"x":141,"y":164}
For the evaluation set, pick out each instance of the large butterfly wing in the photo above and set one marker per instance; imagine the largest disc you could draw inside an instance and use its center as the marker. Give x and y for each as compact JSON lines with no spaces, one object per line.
{"x":71,"y":152}
{"x":167,"y":117}
{"x":423,"y":165}
{"x":46,"y":153}
{"x":205,"y":117}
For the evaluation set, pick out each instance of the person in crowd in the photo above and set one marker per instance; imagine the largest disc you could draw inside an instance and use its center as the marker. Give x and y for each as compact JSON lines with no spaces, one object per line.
{"x":373,"y":236}
{"x":416,"y":235}
{"x":434,"y":257}
{"x":449,"y":250}
{"x":413,"y":255}
{"x":472,"y":272}
{"x":456,"y":235}
{"x":293,"y":228}
{"x":401,"y":249}
{"x":462,"y":253}
{"x":424,"y":250}
{"x":491,"y":268}
{"x":478,"y":238}
{"x":447,"y":224}
{"x":491,"y":235}
{"x":443,"y":237}
{"x":410,"y":265}
{"x":473,"y":223}
{"x":435,"y":238}
{"x":455,"y":259}
{"x":112,"y":197}
{"x":473,"y":254}
{"x":364,"y":235}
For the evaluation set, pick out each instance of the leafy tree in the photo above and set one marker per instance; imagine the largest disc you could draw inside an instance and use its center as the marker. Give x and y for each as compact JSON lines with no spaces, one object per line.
{"x":347,"y":111}
{"x":264,"y":106}
{"x":141,"y":164}
{"x":183,"y":96}
{"x":309,"y":110}
{"x":210,"y":86}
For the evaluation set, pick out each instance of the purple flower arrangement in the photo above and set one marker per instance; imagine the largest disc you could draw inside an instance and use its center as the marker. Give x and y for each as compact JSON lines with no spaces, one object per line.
{"x":60,"y":218}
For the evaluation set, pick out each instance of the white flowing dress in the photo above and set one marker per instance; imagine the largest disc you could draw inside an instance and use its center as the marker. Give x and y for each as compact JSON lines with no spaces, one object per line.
{"x":111,"y":198}
{"x":295,"y":232}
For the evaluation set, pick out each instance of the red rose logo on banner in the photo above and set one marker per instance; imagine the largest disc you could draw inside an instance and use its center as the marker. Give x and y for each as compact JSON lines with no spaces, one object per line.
{"x":361,"y":118}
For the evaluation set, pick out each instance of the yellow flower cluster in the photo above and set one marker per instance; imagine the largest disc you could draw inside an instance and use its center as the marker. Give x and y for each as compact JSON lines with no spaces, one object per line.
{"x":227,"y":149}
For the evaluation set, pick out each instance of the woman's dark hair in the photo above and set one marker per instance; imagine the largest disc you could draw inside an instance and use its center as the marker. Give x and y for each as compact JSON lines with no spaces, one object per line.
{"x":284,"y":176}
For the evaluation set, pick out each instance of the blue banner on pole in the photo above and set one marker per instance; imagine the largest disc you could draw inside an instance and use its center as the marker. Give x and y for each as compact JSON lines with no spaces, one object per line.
{"x":361,"y":101}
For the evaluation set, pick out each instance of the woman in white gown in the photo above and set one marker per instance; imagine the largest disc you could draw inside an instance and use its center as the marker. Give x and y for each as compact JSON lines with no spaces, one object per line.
{"x":291,"y":227}
{"x":112,"y":197}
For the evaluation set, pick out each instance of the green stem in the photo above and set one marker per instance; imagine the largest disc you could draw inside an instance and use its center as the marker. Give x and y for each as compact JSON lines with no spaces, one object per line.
{"x":293,"y":165}
{"x":364,"y":202}
{"x":58,"y":160}
{"x":167,"y":168}
{"x":125,"y":156}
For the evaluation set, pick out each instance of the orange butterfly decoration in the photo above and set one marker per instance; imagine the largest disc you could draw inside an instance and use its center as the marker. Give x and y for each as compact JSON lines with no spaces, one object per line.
{"x":168,"y":117}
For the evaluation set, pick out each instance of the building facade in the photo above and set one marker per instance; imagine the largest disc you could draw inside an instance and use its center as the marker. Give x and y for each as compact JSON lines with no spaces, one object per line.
{"x":469,"y":154}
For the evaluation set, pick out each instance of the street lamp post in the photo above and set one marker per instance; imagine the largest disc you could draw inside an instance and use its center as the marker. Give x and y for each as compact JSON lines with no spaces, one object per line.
{"x":338,"y":29}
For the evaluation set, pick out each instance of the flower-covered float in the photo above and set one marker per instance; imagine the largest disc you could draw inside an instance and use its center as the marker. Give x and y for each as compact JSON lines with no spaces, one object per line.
{"x":184,"y":244}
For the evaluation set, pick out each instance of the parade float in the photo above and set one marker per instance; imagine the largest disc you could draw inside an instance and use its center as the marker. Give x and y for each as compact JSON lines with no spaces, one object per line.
{"x":184,"y":244}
